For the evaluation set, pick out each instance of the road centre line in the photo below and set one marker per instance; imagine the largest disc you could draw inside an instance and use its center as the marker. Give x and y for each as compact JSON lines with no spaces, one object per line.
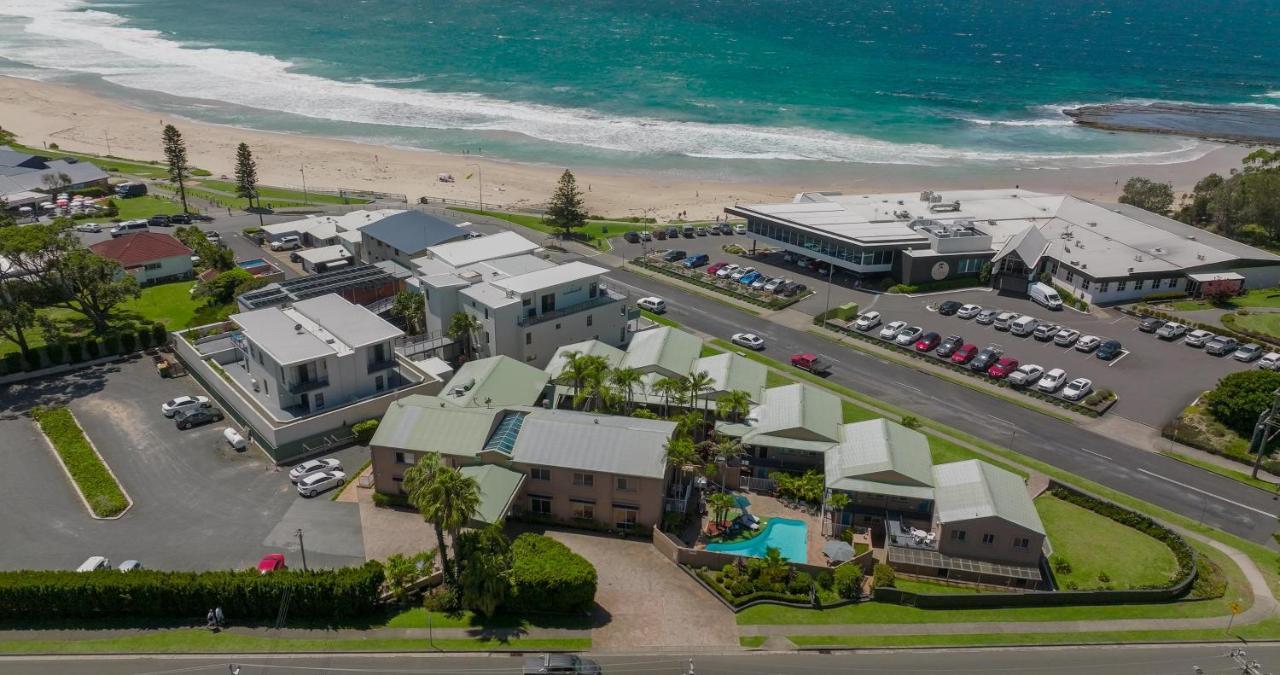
{"x":1207,"y":493}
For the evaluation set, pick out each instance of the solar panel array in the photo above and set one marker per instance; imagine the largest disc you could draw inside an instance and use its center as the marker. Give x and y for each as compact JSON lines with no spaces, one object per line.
{"x":302,"y":288}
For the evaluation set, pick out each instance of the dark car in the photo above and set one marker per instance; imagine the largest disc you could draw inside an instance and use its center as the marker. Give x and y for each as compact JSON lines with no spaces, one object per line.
{"x":660,"y":234}
{"x":631,"y":237}
{"x":674,"y":255}
{"x":986,"y":358}
{"x":673,"y":233}
{"x":558,"y":664}
{"x":186,"y":419}
{"x":949,"y":345}
{"x":1150,"y":324}
{"x":964,"y":354}
{"x":928,"y":342}
{"x":159,"y":221}
{"x":949,"y":307}
{"x":1109,"y":350}
{"x":794,"y":288}
{"x":180,"y":219}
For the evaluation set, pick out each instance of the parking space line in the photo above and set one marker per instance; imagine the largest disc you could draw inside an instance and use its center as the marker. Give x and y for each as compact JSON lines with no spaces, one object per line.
{"x":1123,"y":353}
{"x":1207,"y":493}
{"x":1097,"y":454}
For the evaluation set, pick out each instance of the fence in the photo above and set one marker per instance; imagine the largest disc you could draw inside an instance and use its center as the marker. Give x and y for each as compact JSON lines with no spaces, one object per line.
{"x":486,"y":206}
{"x":765,"y":485}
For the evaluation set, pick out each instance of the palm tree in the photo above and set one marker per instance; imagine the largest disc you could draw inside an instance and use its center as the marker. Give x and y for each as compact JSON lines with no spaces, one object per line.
{"x":625,"y":380}
{"x":669,"y":387}
{"x":417,"y":481}
{"x":689,"y":424}
{"x":681,"y":454}
{"x":448,"y":500}
{"x":590,"y":374}
{"x":463,"y":326}
{"x":734,"y":404}
{"x":698,"y":383}
{"x":720,"y":503}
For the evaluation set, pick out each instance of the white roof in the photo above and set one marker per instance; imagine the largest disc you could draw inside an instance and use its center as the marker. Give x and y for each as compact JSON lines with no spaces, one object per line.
{"x":469,"y":251}
{"x":325,"y":254}
{"x":551,"y":276}
{"x":324,"y":227}
{"x":315,"y":328}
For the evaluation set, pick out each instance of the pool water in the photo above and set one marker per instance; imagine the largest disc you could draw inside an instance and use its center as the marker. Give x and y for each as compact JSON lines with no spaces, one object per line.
{"x":789,"y":536}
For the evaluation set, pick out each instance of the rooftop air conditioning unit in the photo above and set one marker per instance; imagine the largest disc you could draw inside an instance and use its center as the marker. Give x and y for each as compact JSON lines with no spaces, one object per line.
{"x":1092,"y":223}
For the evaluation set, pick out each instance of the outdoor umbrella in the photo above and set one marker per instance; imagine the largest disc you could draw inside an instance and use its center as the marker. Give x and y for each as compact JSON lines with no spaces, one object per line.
{"x":837,"y":551}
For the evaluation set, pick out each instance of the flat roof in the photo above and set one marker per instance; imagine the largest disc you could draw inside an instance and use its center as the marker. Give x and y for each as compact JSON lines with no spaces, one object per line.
{"x":325,"y":254}
{"x":468,"y":251}
{"x":352,"y":324}
{"x":273,"y":330}
{"x":551,"y":276}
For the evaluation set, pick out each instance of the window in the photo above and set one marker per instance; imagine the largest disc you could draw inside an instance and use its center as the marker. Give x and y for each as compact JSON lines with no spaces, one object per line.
{"x":1173,"y":282}
{"x":957,"y":535}
{"x":988,"y":539}
{"x":486,"y":313}
{"x":1122,"y":285}
{"x":584,"y":479}
{"x":528,"y":338}
{"x":379,"y":383}
{"x":623,"y":484}
{"x":539,"y":473}
{"x":1104,"y":286}
{"x":625,"y":517}
{"x":319,"y":400}
{"x":406,"y":458}
{"x":398,"y":480}
{"x":583,"y":509}
{"x":486,"y":338}
{"x":525,"y":302}
{"x":540,"y":505}
{"x":1021,"y":543}
{"x":589,"y":317}
{"x":1137,"y":286}
{"x":153,"y":266}
{"x":1071,"y":275}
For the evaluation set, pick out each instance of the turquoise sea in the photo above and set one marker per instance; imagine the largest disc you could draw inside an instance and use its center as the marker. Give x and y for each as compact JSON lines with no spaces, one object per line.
{"x":751,"y":85}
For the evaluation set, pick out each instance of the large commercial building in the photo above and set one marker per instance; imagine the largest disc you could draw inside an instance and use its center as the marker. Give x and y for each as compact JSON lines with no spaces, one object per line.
{"x":1099,"y":252}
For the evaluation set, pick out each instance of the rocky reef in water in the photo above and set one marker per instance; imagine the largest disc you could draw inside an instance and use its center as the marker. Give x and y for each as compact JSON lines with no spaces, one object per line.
{"x":1237,"y":124}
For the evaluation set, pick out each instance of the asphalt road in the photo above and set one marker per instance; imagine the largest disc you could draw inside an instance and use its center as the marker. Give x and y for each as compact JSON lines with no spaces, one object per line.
{"x":1149,"y":660}
{"x":1195,"y":493}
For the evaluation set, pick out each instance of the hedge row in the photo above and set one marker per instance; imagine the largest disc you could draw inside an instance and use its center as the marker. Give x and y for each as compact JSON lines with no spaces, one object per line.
{"x":548,"y":577}
{"x":740,"y":600}
{"x":77,"y":351}
{"x":932,"y":286}
{"x":776,"y":302}
{"x":1241,"y":334}
{"x":342,"y":593}
{"x":90,"y":474}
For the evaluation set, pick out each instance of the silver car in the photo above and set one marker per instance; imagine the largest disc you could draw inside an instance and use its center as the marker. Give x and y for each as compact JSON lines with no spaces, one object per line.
{"x":316,"y":483}
{"x":1171,"y":331}
{"x":307,"y":468}
{"x":987,"y":316}
{"x":1198,"y":338}
{"x":909,"y":335}
{"x":1066,"y":337}
{"x":968,"y":311}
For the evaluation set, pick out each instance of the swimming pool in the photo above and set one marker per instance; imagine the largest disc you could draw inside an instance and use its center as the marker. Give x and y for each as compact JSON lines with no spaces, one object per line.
{"x":789,"y":536}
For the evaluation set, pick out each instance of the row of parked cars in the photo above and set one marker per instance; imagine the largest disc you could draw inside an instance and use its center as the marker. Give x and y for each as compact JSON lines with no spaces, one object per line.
{"x":1025,"y":325}
{"x":1216,"y":345}
{"x":674,"y":232}
{"x":990,"y":360}
{"x":745,"y":275}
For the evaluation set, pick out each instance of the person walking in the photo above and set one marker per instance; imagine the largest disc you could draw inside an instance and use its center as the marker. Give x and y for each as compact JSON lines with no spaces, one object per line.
{"x":218,"y":617}
{"x":210,"y":620}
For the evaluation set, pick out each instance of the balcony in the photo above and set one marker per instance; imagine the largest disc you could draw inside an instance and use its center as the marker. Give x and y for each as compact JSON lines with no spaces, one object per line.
{"x":605,"y":297}
{"x":384,"y":364}
{"x":308,"y":385}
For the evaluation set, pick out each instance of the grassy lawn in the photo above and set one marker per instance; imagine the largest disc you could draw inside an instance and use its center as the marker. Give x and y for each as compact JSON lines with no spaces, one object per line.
{"x":708,"y":350}
{"x":170,"y":304}
{"x":774,"y":379}
{"x":596,"y":232}
{"x":138,"y":208}
{"x":658,"y":319}
{"x":1268,"y":323}
{"x":1241,"y":476}
{"x":1195,"y":427}
{"x":752,"y":641}
{"x":931,"y":587}
{"x":417,"y":617}
{"x":1096,"y":545}
{"x":201,"y":640}
{"x":272,"y":194}
{"x":944,"y":451}
{"x":90,"y":474}
{"x":1262,"y":629}
{"x":110,"y":164}
{"x":1259,"y":297}
{"x":853,"y":412}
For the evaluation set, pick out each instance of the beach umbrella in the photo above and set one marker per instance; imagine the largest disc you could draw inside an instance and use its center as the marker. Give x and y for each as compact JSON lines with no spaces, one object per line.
{"x":838,"y":551}
{"x":741,"y":501}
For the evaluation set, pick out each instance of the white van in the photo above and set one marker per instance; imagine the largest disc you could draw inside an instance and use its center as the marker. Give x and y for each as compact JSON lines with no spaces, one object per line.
{"x":1043,"y":294}
{"x":94,"y":563}
{"x":653,"y":304}
{"x":1024,"y":326}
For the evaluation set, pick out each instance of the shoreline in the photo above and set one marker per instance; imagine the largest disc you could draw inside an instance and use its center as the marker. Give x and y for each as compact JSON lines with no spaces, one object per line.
{"x":40,"y":113}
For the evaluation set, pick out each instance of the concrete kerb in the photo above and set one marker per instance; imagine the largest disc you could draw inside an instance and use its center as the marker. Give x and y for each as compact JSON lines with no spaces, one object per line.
{"x":76,"y":486}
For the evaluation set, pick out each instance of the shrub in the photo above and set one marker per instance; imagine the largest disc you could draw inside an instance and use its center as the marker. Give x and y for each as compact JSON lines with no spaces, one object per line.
{"x":385,"y":500}
{"x":159,"y":335}
{"x":54,"y":353}
{"x":33,"y":359}
{"x":143,"y":338}
{"x":128,"y":343}
{"x":94,"y":348}
{"x":848,"y":580}
{"x":244,"y":595}
{"x":910,"y":422}
{"x":1240,"y":397}
{"x":883,"y":577}
{"x":12,"y":362}
{"x":547,"y":577}
{"x":825,"y":580}
{"x":801,"y":583}
{"x":111,"y":345}
{"x":1060,"y":565}
{"x":363,"y":431}
{"x":75,"y":351}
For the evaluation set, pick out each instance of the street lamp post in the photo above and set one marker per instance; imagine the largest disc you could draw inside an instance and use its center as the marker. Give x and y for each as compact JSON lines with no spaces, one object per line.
{"x":480,"y":183}
{"x":831,"y":272}
{"x":302,"y":168}
{"x":303,"y":549}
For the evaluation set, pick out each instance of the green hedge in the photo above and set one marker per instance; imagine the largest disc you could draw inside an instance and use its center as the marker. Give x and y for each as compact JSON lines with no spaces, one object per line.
{"x":243,"y":595}
{"x":740,"y":600}
{"x":547,"y":577}
{"x":363,"y":431}
{"x":932,"y":286}
{"x":90,"y":474}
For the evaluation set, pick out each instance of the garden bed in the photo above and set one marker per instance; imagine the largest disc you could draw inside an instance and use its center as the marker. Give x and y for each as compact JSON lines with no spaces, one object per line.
{"x":698,"y":277}
{"x":85,"y":467}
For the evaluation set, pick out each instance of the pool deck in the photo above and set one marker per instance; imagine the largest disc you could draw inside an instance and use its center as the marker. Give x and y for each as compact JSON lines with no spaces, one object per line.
{"x":769,"y":507}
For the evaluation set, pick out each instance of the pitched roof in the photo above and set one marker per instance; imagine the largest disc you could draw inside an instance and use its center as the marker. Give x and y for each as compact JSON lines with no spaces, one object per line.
{"x":801,"y":412}
{"x":883,"y":457}
{"x":413,"y":231}
{"x":665,"y":348}
{"x":428,"y":424}
{"x":498,"y":487}
{"x":548,"y":277}
{"x":628,"y":446}
{"x":140,"y":248}
{"x":495,"y":381}
{"x":974,"y":489}
{"x":731,"y":372}
{"x":560,"y":360}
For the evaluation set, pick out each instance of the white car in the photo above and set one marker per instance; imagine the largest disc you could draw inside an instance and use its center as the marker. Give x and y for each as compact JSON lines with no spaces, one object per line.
{"x":129,"y":566}
{"x":170,"y":408}
{"x":968,"y":311}
{"x":1066,"y":337}
{"x":319,"y":482}
{"x":652,"y":303}
{"x":748,"y":340}
{"x":725,"y":271}
{"x":94,"y":563}
{"x":1171,"y":331}
{"x":1026,"y":375}
{"x":1052,"y":380}
{"x":1077,"y":389}
{"x":1088,"y":343}
{"x":760,"y":283}
{"x":307,"y":468}
{"x":891,"y":329}
{"x":867,"y":320}
{"x":741,"y":272}
{"x":93,"y":228}
{"x":286,"y":243}
{"x":1247,"y":353}
{"x":909,"y":335}
{"x":740,"y":228}
{"x":1198,"y":338}
{"x":1270,"y":362}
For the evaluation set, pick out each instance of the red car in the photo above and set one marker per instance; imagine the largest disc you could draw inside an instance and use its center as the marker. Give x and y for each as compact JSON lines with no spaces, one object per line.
{"x":928,"y":342}
{"x":964,"y":354}
{"x":715,"y":267}
{"x":271,"y":562}
{"x":810,"y":362}
{"x":1002,"y":368}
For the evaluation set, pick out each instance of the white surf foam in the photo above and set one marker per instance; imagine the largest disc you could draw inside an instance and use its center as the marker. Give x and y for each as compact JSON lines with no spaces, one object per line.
{"x":69,"y":35}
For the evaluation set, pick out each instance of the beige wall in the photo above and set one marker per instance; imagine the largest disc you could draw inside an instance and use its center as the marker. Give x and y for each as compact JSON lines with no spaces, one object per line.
{"x":1001,"y":550}
{"x":387,"y":472}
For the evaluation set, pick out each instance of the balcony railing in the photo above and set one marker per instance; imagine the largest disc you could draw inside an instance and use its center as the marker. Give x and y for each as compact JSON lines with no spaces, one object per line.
{"x":605,"y":297}
{"x":384,"y":364}
{"x":308,"y":385}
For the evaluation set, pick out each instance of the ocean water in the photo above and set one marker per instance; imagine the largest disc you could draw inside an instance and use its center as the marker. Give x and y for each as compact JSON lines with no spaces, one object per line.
{"x":739,"y":85}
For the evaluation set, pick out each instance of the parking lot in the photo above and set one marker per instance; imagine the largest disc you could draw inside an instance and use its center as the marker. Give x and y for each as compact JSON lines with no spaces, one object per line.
{"x":197,"y":503}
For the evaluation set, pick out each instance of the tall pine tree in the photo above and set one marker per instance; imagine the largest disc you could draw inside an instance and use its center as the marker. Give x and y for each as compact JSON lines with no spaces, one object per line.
{"x":566,"y":210}
{"x":175,"y":153}
{"x":247,"y":178}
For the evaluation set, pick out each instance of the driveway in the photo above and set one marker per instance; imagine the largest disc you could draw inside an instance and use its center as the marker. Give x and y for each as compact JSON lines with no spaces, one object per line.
{"x":646,"y":601}
{"x":197,"y":503}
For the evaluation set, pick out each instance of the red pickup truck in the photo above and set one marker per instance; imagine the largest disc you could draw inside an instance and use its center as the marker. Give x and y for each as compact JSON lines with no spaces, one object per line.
{"x":813,"y":363}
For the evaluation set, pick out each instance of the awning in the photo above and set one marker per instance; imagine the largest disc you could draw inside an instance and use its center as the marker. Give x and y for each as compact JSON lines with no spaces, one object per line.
{"x":1202,"y":277}
{"x":837,"y":551}
{"x":498,"y":488}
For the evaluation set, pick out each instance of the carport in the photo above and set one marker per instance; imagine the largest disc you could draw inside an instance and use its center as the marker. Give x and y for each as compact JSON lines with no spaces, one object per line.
{"x":1210,"y":284}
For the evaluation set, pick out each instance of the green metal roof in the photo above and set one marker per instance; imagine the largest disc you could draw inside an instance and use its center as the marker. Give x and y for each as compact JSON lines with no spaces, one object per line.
{"x":588,"y":348}
{"x":880,"y":452}
{"x":663,"y":348}
{"x":495,"y":381}
{"x":731,"y":372}
{"x":429,"y":424}
{"x":800,"y":412}
{"x":974,"y":489}
{"x":498,"y":487}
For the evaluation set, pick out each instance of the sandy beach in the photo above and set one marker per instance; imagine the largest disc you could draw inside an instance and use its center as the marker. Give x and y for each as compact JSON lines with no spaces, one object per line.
{"x":41,"y":113}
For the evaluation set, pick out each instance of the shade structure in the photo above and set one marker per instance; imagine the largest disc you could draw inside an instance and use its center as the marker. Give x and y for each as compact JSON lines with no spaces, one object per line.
{"x":838,"y":551}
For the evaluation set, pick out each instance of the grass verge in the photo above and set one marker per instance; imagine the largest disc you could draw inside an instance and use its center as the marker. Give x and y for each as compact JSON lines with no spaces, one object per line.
{"x":595,"y":232}
{"x":418,"y":617}
{"x":199,"y":640}
{"x":1092,"y":545}
{"x":87,"y":470}
{"x":1224,"y":472}
{"x":752,"y":641}
{"x":354,"y":477}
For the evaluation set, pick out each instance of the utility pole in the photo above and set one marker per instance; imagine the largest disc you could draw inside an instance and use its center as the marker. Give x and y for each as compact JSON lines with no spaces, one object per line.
{"x":1265,"y":431}
{"x":302,"y":168}
{"x":480,"y":182}
{"x":303,"y":549}
{"x":831,"y":272}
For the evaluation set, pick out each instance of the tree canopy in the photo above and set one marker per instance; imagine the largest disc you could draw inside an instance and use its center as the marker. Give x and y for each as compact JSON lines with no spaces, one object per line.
{"x":566,"y":210}
{"x":175,"y":155}
{"x":1145,"y":193}
{"x":1240,"y":397}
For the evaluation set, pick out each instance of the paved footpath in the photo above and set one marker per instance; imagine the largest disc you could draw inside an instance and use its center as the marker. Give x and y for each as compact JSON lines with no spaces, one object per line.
{"x":500,"y":634}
